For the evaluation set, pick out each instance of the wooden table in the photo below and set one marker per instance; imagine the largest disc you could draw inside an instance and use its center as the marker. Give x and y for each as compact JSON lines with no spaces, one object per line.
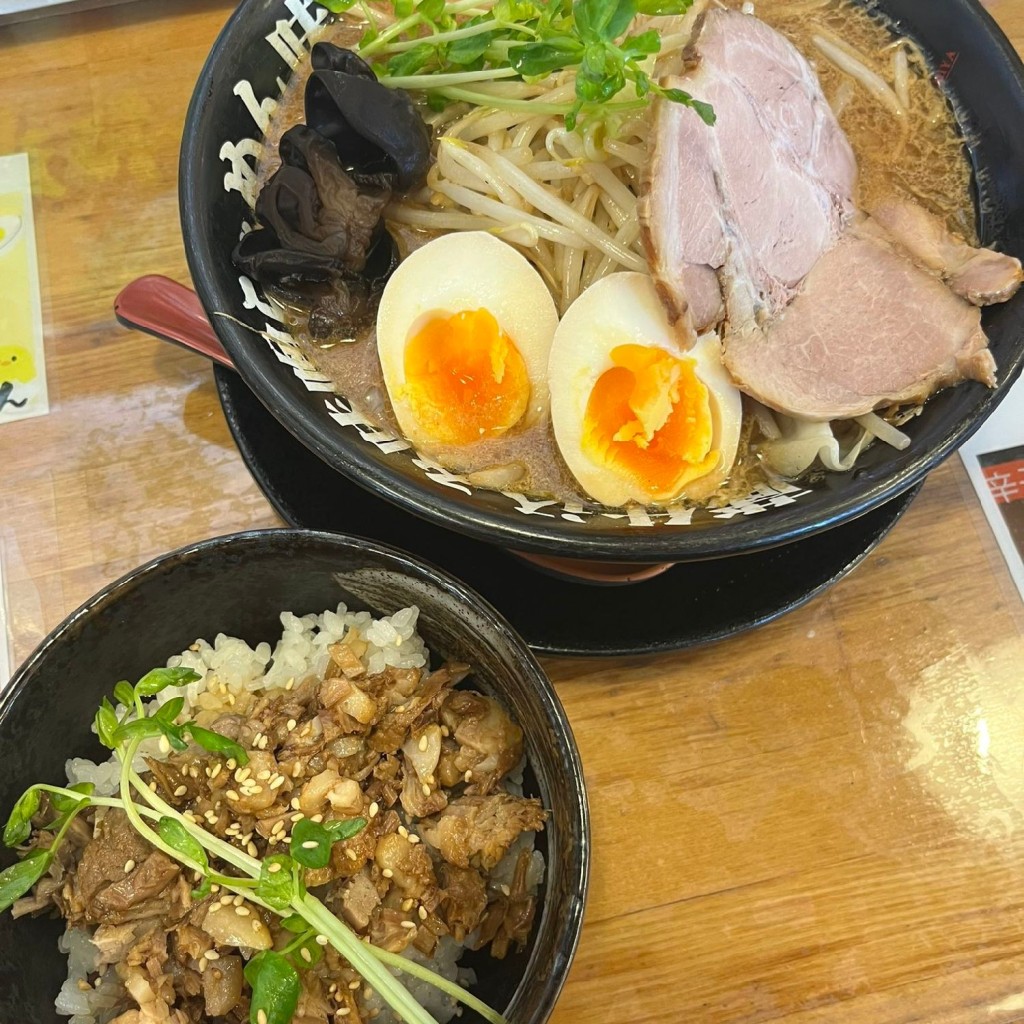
{"x":821,"y":822}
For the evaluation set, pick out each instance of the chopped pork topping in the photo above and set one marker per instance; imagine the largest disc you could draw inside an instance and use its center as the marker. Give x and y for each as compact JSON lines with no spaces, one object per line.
{"x":423,"y":764}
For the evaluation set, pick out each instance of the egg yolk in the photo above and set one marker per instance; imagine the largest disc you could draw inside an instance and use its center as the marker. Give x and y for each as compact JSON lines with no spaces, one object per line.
{"x":464,"y":378}
{"x":649,"y":416}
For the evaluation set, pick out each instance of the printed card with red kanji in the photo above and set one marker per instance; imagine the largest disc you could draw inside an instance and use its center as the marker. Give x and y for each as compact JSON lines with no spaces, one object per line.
{"x":994,"y":458}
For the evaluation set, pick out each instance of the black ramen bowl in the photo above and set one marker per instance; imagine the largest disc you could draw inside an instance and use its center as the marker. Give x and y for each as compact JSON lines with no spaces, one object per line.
{"x":984,"y":80}
{"x":239,"y":584}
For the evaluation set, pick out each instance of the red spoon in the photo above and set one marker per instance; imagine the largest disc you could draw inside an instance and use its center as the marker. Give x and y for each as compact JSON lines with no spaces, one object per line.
{"x":169,"y":311}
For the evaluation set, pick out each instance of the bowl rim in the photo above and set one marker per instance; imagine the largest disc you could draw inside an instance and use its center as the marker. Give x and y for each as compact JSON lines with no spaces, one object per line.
{"x":552,"y":535}
{"x":570,"y":921}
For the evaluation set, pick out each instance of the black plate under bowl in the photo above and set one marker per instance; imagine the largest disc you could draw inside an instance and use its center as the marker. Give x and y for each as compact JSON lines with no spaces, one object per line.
{"x":239,"y":584}
{"x":692,"y":604}
{"x":981,"y":74}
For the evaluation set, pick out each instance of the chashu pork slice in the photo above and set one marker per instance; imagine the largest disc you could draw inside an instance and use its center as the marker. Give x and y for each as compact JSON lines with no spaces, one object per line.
{"x":869,"y":329}
{"x":756,"y":199}
{"x":982,"y":276}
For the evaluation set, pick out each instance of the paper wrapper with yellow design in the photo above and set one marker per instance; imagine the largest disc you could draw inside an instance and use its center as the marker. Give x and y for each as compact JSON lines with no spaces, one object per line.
{"x":22,"y":366}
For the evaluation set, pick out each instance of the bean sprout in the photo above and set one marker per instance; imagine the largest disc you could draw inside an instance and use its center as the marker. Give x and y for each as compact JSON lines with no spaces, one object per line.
{"x":855,"y":68}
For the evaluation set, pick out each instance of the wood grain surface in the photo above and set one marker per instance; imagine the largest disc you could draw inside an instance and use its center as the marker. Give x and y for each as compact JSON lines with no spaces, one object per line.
{"x":821,"y":822}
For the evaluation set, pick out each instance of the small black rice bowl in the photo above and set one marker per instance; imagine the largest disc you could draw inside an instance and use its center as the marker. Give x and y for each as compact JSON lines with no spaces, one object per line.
{"x":238,"y":585}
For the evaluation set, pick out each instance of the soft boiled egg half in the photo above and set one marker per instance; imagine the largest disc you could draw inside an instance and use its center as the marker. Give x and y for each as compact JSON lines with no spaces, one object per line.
{"x":464,"y":329}
{"x":636,"y":417}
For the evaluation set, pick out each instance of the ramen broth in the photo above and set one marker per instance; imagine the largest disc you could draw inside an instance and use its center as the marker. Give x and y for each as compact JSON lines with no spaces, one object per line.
{"x":921,"y":156}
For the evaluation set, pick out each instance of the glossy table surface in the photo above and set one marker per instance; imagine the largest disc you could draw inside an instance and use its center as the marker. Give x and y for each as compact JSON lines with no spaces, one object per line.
{"x":819,"y":822}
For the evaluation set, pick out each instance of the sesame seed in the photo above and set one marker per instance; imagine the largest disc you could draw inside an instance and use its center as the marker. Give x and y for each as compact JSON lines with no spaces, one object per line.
{"x":374,"y":809}
{"x":353,"y":985}
{"x":129,"y":866}
{"x":322,"y":940}
{"x":242,"y":774}
{"x":414,"y":839}
{"x":152,"y":787}
{"x":252,"y":850}
{"x":238,"y":901}
{"x":423,"y":742}
{"x":242,"y":911}
{"x":165,"y":747}
{"x":407,"y":904}
{"x":181,"y":790}
{"x":231,"y":700}
{"x":264,"y":742}
{"x":445,"y":731}
{"x":318,"y":818}
{"x":257,"y":926}
{"x":374,"y":1013}
{"x":290,"y":683}
{"x":296,"y":769}
{"x":225,"y":901}
{"x":297,"y":817}
{"x":506,"y":890}
{"x":261,"y":1017}
{"x":215,"y":889}
{"x":201,"y":966}
{"x":278,"y":782}
{"x":278,"y":827}
{"x":274,"y":868}
{"x":306,"y":955}
{"x":232,"y":795}
{"x":403,"y":831}
{"x":256,"y":739}
{"x":351,"y":854}
{"x":367,"y":992}
{"x":305,"y":730}
{"x":212,"y":954}
{"x":426,"y":789}
{"x":232,"y":764}
{"x":295,"y":803}
{"x":310,"y":844}
{"x":388,"y":873}
{"x":468,"y":775}
{"x":264,"y":775}
{"x":332,"y":988}
{"x":409,"y":924}
{"x":422,"y":912}
{"x":216,"y":770}
{"x":291,"y":724}
{"x":344,"y":1011}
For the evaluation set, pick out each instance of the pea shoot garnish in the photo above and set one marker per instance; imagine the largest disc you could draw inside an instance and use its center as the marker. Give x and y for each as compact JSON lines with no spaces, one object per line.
{"x":447,"y":49}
